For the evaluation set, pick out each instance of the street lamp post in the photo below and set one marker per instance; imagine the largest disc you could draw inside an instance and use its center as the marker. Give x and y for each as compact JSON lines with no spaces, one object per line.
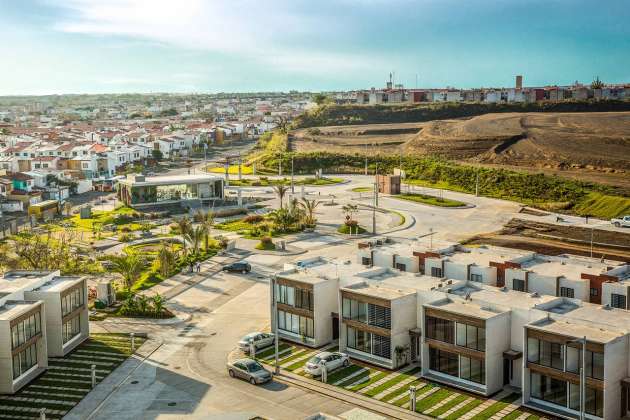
{"x":292,"y":184}
{"x":274,"y":320}
{"x":582,"y":341}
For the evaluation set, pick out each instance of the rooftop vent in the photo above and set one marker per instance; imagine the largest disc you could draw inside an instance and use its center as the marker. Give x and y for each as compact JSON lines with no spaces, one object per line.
{"x":535,"y":295}
{"x":504,"y":288}
{"x":440,"y":285}
{"x":449,"y":282}
{"x":607,"y":307}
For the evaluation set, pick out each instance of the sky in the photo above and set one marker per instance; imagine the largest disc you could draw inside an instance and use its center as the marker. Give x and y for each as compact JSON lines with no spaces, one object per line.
{"x":189,"y":46}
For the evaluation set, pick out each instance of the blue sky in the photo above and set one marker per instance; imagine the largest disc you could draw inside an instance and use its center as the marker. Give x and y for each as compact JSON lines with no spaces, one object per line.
{"x":95,"y":46}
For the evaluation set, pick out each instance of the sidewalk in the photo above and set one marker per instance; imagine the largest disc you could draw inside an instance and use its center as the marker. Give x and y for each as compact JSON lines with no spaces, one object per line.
{"x":388,"y":410}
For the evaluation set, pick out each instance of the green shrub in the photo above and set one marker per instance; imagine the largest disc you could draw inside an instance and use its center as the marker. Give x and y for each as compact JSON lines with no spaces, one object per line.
{"x":266,"y":243}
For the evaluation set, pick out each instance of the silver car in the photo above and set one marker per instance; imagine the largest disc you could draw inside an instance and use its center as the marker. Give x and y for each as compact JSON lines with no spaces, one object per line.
{"x":259,"y":339}
{"x":332,"y":361}
{"x":250,"y":370}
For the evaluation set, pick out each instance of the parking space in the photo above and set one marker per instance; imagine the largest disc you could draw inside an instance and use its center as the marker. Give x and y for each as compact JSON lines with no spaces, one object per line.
{"x":432,"y":399}
{"x":68,"y":379}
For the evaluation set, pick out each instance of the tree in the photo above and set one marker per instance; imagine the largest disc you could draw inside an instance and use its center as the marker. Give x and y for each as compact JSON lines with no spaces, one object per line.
{"x":320,"y":99}
{"x":157,"y":154}
{"x":597,"y":84}
{"x":184,"y":225}
{"x":350,"y":210}
{"x":280,"y":191}
{"x":309,"y":207}
{"x":194,"y":237}
{"x":130,"y":267}
{"x":282,"y":218}
{"x":166,"y":258}
{"x":207,"y":221}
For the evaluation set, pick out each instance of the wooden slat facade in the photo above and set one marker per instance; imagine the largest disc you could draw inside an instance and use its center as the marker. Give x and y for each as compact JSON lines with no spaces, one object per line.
{"x":369,"y":328}
{"x":296,"y":311}
{"x":563,"y":339}
{"x":453,"y":348}
{"x":451,"y":316}
{"x":294,"y":283}
{"x":574,"y":378}
{"x":366,"y":299}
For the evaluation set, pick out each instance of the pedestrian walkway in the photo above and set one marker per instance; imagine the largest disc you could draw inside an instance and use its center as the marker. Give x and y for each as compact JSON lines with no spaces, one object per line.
{"x":510,"y":408}
{"x":352,"y":375}
{"x":481,"y":407}
{"x":405,"y":394}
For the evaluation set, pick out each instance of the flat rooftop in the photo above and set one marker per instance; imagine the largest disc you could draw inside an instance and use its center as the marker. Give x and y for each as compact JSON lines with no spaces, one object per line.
{"x":173,"y":179}
{"x":484,"y":255}
{"x":13,"y":309}
{"x":14,"y":281}
{"x":574,"y":328}
{"x":569,"y":266}
{"x":378,"y":291}
{"x":407,"y":247}
{"x":467,"y":308}
{"x":58,"y":284}
{"x":502,"y":297}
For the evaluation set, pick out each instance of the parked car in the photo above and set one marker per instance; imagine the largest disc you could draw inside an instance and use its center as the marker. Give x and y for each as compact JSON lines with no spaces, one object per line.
{"x":622,"y":221}
{"x":332,"y":360}
{"x":260,"y":340}
{"x":250,"y":370}
{"x":238,"y":267}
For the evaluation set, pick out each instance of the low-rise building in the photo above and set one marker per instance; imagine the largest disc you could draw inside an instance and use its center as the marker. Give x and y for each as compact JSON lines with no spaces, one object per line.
{"x":42,"y":314}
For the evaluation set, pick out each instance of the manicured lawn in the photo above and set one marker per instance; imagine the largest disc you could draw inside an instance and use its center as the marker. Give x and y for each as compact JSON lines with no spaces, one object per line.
{"x":452,"y":403}
{"x":232,"y":170}
{"x":432,"y":400}
{"x":430,"y":200}
{"x":402,"y":390}
{"x":495,"y":408}
{"x":355,"y":230}
{"x":386,"y":385}
{"x":266,"y":182}
{"x":340,"y":374}
{"x":68,"y":379}
{"x":362,"y":189}
{"x":369,"y":380}
{"x":263,"y":354}
{"x":465,"y":409}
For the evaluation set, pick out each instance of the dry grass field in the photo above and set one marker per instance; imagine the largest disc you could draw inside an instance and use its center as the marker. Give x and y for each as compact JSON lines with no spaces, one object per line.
{"x":587,"y":146}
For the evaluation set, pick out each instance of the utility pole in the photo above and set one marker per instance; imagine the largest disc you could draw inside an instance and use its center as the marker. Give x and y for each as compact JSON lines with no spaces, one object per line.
{"x":280,"y":164}
{"x":591,"y":242}
{"x":240,"y":171}
{"x":374,"y":209}
{"x":366,"y":159}
{"x":377,"y":186}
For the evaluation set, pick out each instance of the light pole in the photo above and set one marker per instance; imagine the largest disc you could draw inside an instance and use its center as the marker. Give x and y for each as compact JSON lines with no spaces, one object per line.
{"x":582,"y":341}
{"x":274,"y":320}
{"x":366,"y":159}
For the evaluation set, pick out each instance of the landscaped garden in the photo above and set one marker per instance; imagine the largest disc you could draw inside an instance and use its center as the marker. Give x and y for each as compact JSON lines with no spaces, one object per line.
{"x":264,"y":181}
{"x":68,"y":380}
{"x":392,"y":387}
{"x":350,"y":226}
{"x":430,"y":200}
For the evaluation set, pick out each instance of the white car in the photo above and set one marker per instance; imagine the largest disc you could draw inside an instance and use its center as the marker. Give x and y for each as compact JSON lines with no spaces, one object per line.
{"x":260,"y":340}
{"x":621,"y":222}
{"x":332,"y":360}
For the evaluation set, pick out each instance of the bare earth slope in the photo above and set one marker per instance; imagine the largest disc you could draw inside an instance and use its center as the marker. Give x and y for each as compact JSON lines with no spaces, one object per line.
{"x":590,"y":146}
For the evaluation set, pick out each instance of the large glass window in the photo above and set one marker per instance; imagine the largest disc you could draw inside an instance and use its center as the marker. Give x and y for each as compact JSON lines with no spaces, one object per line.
{"x":436,"y":272}
{"x":71,"y":329}
{"x":594,"y":362}
{"x":545,"y":353}
{"x":443,"y":361}
{"x":368,"y":343}
{"x":618,"y":301}
{"x":367,"y":313}
{"x":304,"y":299}
{"x":518,"y":284}
{"x":72,"y":301}
{"x":24,"y":360}
{"x":471,"y":337}
{"x":594,"y":402}
{"x":549,"y":389}
{"x":440,"y":329}
{"x":472,"y":370}
{"x":296,"y":324}
{"x":25,"y":330}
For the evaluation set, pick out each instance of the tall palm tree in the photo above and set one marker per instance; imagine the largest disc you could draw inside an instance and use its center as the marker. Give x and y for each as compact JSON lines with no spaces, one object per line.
{"x":194,"y":237}
{"x":185,"y":225}
{"x":129,"y":266}
{"x":166,"y":257}
{"x":309,"y":207}
{"x":280,"y":190}
{"x":207,"y":222}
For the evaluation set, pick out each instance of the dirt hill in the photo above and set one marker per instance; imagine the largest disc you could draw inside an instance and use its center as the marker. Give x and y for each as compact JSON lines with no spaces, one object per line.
{"x":588,"y":146}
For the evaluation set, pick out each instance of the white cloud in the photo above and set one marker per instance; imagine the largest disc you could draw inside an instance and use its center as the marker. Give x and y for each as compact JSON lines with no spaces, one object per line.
{"x":269,"y":32}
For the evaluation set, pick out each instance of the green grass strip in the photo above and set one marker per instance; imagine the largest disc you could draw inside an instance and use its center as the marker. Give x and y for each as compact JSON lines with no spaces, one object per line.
{"x":465,"y":409}
{"x":432,"y":400}
{"x":369,"y":382}
{"x":340,"y":374}
{"x":271,"y":351}
{"x":452,"y":403}
{"x":496,"y":407}
{"x":513,"y":415}
{"x":388,"y":384}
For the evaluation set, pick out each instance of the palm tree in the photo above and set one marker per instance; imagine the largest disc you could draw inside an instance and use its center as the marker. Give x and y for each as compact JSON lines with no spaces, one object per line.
{"x":280,"y":190}
{"x":282,"y":218}
{"x":185,"y":225}
{"x":207,"y":222}
{"x":166,"y":257}
{"x":129,"y":266}
{"x":309,"y":207}
{"x":350,"y":210}
{"x":194,"y":237}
